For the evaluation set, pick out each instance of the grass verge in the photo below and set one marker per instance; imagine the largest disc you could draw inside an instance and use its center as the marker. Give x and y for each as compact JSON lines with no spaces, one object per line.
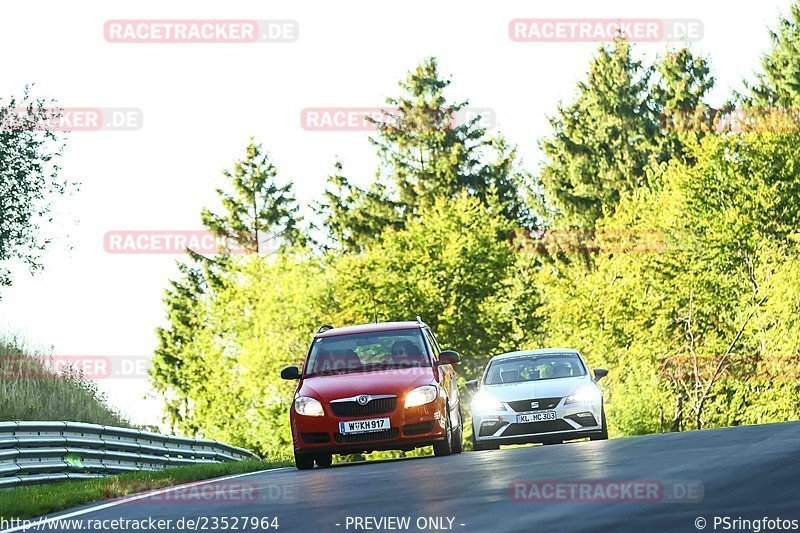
{"x":35,"y":386}
{"x":38,"y":500}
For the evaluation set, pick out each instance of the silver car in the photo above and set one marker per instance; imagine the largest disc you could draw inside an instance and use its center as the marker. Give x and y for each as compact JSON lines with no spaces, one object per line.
{"x":545,"y":396}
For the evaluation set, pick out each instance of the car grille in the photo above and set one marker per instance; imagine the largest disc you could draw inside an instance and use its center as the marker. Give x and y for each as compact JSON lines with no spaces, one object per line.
{"x":536,"y":427}
{"x":377,"y":406}
{"x":418,"y":429}
{"x":366,"y":437}
{"x":523,"y":406}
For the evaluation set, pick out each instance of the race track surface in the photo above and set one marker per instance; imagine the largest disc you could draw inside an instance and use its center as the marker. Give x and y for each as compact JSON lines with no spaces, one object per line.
{"x":744,"y":472}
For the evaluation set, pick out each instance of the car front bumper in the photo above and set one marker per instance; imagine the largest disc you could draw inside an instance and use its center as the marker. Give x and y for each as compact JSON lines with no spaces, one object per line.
{"x":409,"y":428}
{"x":572,"y":421}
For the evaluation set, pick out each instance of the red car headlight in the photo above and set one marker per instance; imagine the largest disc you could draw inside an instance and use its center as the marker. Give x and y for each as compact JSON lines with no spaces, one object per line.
{"x":303,"y":405}
{"x":421,"y":396}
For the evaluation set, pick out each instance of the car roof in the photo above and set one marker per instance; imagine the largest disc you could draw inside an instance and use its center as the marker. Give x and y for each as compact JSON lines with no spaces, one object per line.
{"x":369,"y":328}
{"x":540,"y":351}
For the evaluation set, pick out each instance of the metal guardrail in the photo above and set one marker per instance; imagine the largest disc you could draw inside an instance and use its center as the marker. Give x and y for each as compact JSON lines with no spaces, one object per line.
{"x":43,"y":452}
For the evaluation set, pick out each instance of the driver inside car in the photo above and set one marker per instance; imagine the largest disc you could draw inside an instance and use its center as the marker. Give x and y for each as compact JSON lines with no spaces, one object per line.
{"x":405,"y":354}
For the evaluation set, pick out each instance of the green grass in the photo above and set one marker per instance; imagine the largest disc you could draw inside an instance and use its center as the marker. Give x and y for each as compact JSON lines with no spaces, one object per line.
{"x":38,"y":500}
{"x":29,"y":391}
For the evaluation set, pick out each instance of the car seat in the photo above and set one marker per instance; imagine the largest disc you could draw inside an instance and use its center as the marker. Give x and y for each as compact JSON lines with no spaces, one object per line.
{"x":562,"y":370}
{"x":510,"y":375}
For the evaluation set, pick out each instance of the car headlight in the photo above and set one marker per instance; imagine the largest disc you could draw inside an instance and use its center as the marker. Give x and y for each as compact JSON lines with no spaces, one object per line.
{"x":484,"y":402}
{"x":582,"y":395}
{"x":421,"y":396}
{"x":306,"y":406}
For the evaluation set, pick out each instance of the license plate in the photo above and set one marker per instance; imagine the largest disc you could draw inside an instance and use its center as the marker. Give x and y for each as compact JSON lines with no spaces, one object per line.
{"x":540,"y":416}
{"x":364,"y":426}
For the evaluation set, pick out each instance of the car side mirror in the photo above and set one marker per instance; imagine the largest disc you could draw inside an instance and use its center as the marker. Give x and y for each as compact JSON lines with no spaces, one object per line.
{"x":600,"y":373}
{"x":472,"y":385}
{"x":448,"y":357}
{"x":290,"y":372}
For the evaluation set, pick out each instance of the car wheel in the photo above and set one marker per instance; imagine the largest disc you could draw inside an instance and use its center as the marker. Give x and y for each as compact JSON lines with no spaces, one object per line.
{"x":458,"y":435}
{"x":303,"y":461}
{"x":324,"y":460}
{"x":479,"y":447}
{"x":445,"y":446}
{"x":603,"y":435}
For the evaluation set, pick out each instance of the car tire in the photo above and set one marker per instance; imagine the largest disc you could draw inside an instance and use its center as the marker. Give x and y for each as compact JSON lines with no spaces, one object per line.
{"x":458,"y":435}
{"x":479,"y":447}
{"x":445,"y":446}
{"x":303,"y":461}
{"x":324,"y":460}
{"x":603,"y":435}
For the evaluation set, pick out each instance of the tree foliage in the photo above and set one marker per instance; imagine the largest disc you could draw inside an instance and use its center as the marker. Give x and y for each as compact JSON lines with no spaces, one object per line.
{"x":699,"y":326}
{"x":260,"y":216}
{"x":30,"y":179}
{"x":449,"y":267}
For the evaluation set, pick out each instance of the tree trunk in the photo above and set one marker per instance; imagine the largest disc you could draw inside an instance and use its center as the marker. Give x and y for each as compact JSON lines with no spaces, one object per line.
{"x":677,"y":421}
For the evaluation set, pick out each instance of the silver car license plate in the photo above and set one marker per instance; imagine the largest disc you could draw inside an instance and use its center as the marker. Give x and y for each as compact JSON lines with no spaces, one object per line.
{"x":539,"y":416}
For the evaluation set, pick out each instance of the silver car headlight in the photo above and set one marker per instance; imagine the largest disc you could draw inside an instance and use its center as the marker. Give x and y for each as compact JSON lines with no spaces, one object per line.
{"x":584,"y":394}
{"x":484,"y":402}
{"x":306,"y":406}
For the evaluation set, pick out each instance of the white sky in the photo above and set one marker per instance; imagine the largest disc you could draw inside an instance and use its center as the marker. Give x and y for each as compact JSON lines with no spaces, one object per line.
{"x":201,"y":102}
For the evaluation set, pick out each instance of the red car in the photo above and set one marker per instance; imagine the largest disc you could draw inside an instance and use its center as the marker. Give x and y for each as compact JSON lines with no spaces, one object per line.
{"x":386,"y":386}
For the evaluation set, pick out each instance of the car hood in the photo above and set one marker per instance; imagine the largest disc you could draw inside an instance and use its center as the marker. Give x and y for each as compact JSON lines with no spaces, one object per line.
{"x":397,"y":382}
{"x":546,"y":388}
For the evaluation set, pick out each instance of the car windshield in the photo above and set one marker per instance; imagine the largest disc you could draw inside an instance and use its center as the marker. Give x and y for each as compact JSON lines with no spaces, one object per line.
{"x":534,"y":368}
{"x":367,"y":352}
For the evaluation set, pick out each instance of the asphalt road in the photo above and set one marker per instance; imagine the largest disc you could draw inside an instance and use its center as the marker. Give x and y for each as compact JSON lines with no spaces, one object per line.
{"x":745,"y":472}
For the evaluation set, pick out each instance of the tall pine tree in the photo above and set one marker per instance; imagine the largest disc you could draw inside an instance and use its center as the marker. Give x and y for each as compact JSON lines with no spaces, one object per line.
{"x":258,"y":213}
{"x":428,"y":152}
{"x":603,"y":141}
{"x":778,"y":85}
{"x":355,"y":217}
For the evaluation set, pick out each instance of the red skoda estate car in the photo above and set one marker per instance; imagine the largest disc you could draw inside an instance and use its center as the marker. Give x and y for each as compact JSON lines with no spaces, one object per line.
{"x":386,"y":386}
